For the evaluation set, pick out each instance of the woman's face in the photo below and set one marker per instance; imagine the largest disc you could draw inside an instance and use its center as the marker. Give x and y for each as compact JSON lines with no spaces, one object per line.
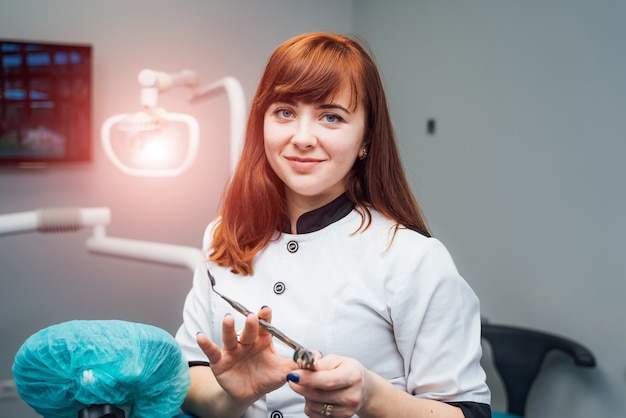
{"x":312,"y":147}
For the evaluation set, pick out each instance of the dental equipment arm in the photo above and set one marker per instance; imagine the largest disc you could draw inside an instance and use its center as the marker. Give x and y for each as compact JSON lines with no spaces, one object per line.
{"x":151,"y":252}
{"x":51,"y":220}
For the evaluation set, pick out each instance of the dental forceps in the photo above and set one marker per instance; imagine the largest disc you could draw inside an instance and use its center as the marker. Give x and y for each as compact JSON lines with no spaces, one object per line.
{"x":303,"y":357}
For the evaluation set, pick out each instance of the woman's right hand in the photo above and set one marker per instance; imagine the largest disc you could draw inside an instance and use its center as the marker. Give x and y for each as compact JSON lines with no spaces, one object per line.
{"x":247,"y":366}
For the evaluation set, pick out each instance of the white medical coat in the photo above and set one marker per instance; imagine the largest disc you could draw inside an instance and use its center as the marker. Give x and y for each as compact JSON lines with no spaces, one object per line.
{"x":395,"y":303}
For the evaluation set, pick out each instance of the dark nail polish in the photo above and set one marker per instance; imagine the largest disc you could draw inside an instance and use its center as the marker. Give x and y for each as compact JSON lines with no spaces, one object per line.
{"x":292,"y":377}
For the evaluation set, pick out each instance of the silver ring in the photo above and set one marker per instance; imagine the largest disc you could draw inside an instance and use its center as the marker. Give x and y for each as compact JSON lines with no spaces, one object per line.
{"x":327,"y":409}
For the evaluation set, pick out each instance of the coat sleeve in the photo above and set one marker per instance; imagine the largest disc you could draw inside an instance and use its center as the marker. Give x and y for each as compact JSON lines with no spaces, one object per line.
{"x":436,"y":318}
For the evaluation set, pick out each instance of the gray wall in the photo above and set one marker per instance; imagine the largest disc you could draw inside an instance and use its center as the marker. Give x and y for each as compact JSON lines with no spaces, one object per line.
{"x":521,"y":180}
{"x":46,"y":279}
{"x":524,"y":178}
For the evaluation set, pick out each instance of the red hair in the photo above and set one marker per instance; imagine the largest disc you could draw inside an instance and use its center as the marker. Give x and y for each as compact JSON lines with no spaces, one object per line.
{"x":311,"y":68}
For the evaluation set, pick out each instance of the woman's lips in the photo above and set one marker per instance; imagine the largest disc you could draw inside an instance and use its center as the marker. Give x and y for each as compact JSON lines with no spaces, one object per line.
{"x":303,"y":163}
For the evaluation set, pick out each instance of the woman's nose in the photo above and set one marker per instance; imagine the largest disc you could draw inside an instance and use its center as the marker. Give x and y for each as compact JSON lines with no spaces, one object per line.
{"x":304,"y":135}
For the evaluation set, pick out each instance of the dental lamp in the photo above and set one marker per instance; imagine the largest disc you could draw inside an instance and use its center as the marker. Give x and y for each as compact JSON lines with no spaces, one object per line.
{"x":140,"y":132}
{"x":149,"y":143}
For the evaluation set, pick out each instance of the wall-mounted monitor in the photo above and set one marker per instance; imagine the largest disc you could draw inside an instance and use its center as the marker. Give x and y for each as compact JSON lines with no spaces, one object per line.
{"x":45,"y":103}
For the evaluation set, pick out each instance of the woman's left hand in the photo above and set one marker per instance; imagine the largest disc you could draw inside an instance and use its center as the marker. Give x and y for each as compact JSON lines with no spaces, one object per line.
{"x":337,"y":387}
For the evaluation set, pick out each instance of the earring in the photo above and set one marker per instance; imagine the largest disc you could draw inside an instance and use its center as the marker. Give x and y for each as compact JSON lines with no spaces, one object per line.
{"x":363,"y":154}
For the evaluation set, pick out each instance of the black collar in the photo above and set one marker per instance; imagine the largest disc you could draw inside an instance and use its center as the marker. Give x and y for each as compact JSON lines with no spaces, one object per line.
{"x":321,"y":217}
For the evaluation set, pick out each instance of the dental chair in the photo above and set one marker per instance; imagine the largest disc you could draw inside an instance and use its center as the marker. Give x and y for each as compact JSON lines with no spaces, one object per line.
{"x":518,"y":355}
{"x":102,"y":369}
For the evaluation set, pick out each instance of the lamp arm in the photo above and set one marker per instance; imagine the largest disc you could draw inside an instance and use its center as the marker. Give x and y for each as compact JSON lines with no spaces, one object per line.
{"x":151,"y":252}
{"x":153,"y":82}
{"x":237,"y":103}
{"x":53,"y":220}
{"x":68,"y":219}
{"x":164,"y":81}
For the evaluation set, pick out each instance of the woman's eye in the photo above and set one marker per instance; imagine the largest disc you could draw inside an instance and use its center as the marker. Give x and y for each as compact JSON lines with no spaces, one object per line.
{"x":284,"y":113}
{"x":332,"y":118}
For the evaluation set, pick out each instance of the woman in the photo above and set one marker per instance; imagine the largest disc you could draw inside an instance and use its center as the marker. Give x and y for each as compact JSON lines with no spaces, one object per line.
{"x":320,"y":231}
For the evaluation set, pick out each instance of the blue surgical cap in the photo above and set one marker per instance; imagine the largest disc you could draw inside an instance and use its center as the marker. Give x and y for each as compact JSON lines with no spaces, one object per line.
{"x":69,"y":366}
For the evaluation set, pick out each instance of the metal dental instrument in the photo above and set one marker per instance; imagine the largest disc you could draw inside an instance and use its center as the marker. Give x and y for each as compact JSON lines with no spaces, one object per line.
{"x":303,"y":357}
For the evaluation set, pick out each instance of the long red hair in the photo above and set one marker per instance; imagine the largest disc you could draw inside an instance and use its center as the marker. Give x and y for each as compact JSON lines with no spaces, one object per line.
{"x":311,"y":68}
